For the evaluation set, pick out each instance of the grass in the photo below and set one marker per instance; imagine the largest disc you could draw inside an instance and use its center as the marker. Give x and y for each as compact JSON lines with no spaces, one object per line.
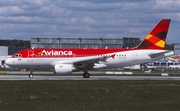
{"x":89,"y":95}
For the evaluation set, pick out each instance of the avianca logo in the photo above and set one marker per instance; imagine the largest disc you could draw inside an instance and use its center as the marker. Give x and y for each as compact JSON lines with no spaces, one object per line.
{"x":52,"y":52}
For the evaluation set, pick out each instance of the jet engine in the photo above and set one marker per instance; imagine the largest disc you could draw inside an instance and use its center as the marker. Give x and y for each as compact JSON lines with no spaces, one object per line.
{"x":63,"y":69}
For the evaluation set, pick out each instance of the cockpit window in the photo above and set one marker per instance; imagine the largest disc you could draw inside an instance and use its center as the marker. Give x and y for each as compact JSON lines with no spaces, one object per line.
{"x":17,"y":55}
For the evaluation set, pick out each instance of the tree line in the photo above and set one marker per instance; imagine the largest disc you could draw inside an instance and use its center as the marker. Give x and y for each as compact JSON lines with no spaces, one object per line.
{"x":16,"y":43}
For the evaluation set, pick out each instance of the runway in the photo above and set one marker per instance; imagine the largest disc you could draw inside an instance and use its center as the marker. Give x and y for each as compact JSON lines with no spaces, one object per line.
{"x":45,"y":77}
{"x":13,"y":75}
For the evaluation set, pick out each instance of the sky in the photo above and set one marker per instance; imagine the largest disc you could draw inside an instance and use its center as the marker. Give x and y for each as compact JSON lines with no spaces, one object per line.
{"x":24,"y":19}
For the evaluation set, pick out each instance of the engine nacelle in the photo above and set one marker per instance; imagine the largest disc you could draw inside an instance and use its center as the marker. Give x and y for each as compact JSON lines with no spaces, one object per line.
{"x":63,"y":69}
{"x":99,"y":66}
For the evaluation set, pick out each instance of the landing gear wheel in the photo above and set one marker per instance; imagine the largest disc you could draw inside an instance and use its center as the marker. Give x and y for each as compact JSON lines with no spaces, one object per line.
{"x":31,"y":73}
{"x":86,"y":75}
{"x":30,"y":76}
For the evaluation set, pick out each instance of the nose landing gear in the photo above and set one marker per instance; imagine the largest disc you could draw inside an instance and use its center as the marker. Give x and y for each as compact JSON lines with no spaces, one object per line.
{"x":31,"y":73}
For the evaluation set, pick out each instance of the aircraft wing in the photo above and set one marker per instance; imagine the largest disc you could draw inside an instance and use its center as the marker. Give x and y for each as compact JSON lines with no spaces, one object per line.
{"x":85,"y":61}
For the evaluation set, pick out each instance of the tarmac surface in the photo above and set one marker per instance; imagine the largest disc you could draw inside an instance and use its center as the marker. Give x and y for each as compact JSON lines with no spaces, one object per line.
{"x":25,"y":77}
{"x":13,"y":75}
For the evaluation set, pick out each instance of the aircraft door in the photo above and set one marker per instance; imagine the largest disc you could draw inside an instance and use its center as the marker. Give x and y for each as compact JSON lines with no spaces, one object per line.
{"x":31,"y":56}
{"x":135,"y":55}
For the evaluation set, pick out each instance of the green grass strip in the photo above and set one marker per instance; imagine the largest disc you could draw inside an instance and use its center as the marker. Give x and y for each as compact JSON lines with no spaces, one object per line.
{"x":90,"y":95}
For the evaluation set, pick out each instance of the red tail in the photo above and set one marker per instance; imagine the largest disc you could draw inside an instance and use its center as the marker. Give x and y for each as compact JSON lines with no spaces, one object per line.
{"x":156,"y":39}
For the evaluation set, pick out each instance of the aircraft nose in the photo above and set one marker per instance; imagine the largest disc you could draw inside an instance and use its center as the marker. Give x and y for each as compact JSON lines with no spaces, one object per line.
{"x":8,"y":62}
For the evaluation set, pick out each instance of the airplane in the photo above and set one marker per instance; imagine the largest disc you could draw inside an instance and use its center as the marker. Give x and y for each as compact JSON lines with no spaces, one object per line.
{"x":4,"y":66}
{"x":174,"y":58}
{"x":67,"y":60}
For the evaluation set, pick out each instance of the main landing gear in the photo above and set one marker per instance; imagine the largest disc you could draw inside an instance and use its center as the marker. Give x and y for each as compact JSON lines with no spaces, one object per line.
{"x":31,"y":73}
{"x":86,"y":74}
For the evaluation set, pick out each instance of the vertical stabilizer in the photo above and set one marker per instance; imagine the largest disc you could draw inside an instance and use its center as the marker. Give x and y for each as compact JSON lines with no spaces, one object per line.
{"x":156,"y":39}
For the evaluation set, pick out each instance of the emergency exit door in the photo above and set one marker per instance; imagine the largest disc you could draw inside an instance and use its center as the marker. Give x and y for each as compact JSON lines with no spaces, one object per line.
{"x":30,"y":56}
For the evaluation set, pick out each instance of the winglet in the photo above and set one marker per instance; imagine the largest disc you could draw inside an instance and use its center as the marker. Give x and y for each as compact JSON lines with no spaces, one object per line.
{"x":156,"y":39}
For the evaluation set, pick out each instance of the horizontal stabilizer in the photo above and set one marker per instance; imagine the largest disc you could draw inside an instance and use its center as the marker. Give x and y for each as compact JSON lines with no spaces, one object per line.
{"x":162,"y":54}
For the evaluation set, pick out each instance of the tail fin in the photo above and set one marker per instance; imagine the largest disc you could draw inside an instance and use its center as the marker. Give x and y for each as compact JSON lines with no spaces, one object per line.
{"x":156,"y":39}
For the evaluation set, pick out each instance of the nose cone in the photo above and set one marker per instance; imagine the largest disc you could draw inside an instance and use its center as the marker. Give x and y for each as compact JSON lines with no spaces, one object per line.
{"x":8,"y":62}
